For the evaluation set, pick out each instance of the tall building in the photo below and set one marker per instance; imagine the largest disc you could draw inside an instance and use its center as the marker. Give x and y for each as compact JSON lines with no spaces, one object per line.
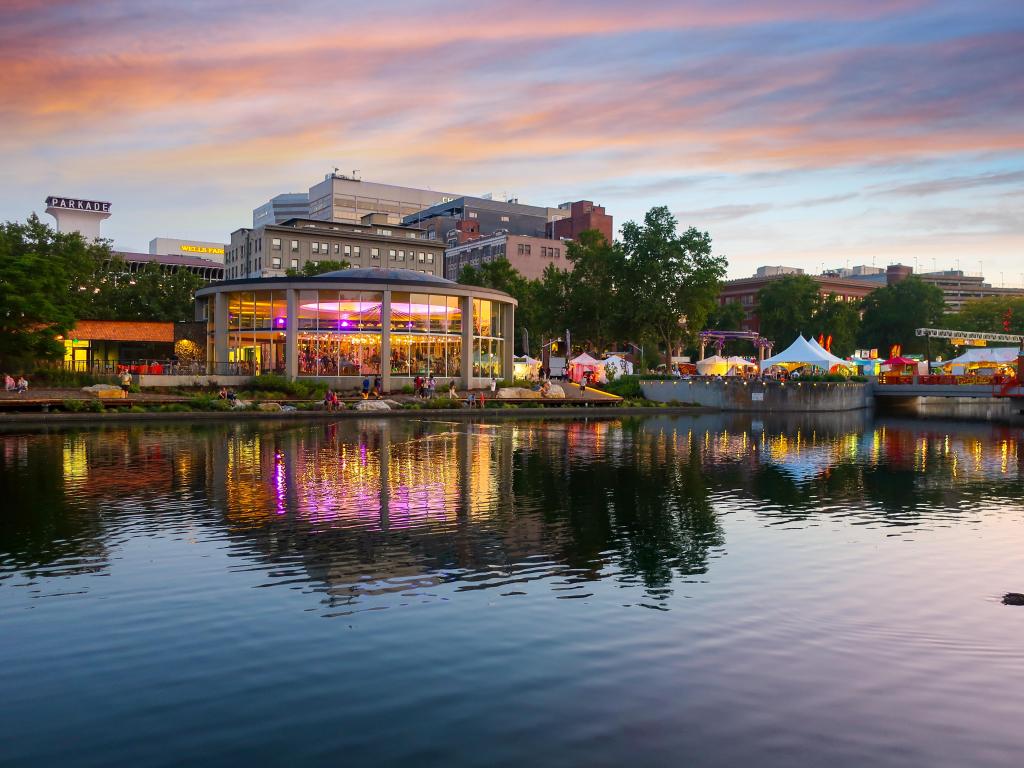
{"x":280,"y":208}
{"x":958,"y":287}
{"x":580,"y":215}
{"x":459,"y":220}
{"x":376,"y":241}
{"x":530,"y":256}
{"x":344,"y":198}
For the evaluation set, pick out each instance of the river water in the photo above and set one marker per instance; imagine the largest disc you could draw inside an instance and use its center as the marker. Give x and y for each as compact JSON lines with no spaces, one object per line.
{"x":700,"y":591}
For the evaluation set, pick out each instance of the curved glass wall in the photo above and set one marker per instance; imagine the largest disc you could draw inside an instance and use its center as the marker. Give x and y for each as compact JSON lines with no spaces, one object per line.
{"x":256,"y":339}
{"x":488,"y":338}
{"x":339,"y":332}
{"x":426,"y":334}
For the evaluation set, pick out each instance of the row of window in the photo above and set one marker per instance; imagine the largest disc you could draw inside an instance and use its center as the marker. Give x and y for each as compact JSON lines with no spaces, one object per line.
{"x":525,"y":249}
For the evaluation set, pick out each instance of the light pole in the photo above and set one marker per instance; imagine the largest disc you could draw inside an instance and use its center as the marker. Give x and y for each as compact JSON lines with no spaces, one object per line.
{"x":640,"y":348}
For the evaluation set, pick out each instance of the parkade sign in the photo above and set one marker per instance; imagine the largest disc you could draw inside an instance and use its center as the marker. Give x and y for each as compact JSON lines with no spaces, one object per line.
{"x":72,"y":204}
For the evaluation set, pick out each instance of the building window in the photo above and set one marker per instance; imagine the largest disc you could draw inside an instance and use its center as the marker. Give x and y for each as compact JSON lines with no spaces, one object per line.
{"x":423,"y":256}
{"x":521,"y":249}
{"x":276,"y":262}
{"x":401,"y":255}
{"x":357,"y":251}
{"x":430,"y":258}
{"x":558,"y":253}
{"x":472,"y":214}
{"x":385,"y":232}
{"x":275,"y":243}
{"x":527,"y":250}
{"x":348,"y":250}
{"x":295,"y":246}
{"x":295,"y":263}
{"x":315,"y":247}
{"x":391,"y":254}
{"x":324,"y":249}
{"x":336,"y":248}
{"x":375,"y":253}
{"x":543,"y":252}
{"x":504,"y":218}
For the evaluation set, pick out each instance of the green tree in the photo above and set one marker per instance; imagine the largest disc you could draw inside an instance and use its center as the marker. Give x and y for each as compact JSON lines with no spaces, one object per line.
{"x":592,"y":295}
{"x":786,"y":307}
{"x":502,"y":276}
{"x":892,"y":314}
{"x":42,"y":274}
{"x":995,"y":314}
{"x":838,"y":319}
{"x":727,"y":317}
{"x":313,"y":268}
{"x":671,"y":281}
{"x":149,"y":294}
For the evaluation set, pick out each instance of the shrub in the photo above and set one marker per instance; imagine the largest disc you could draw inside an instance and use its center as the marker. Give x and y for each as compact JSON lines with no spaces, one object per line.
{"x":443,"y":402}
{"x":624,"y":386}
{"x":136,"y":409}
{"x":73,"y":406}
{"x":64,"y":379}
{"x":408,"y":389}
{"x":209,"y":403}
{"x":95,"y":406}
{"x":279,"y":388}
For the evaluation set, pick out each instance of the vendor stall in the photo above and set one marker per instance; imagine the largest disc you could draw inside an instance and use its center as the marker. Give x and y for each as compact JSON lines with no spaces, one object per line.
{"x":716,"y":365}
{"x":525,"y":368}
{"x":806,"y":354}
{"x":616,"y":366}
{"x":583,"y":364}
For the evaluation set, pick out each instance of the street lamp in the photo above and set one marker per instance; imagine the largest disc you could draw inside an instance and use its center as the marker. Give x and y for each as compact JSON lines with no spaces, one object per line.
{"x":638,"y":348}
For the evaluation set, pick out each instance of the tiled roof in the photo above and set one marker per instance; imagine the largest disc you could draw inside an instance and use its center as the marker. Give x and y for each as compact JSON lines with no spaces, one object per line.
{"x":122,"y":330}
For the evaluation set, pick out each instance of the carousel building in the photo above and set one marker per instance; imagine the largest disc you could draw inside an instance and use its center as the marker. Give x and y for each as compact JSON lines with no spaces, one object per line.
{"x":356,"y":323}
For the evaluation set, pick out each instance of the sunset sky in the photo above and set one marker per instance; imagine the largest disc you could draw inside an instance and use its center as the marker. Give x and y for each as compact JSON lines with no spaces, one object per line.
{"x":798,"y":132}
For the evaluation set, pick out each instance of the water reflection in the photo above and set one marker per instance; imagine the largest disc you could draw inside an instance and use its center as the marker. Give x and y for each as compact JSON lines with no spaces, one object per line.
{"x":367,"y":512}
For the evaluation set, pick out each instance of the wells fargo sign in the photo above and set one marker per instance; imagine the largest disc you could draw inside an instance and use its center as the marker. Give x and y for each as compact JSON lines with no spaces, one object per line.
{"x":201,"y":249}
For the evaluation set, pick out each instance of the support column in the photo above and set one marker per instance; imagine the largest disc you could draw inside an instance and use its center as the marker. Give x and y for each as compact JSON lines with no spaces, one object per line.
{"x":291,"y":336}
{"x":467,"y":341}
{"x":508,"y":332}
{"x":220,"y":333}
{"x":385,"y":343}
{"x":701,"y":350}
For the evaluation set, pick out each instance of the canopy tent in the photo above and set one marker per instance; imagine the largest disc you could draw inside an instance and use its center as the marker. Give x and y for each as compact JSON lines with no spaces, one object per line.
{"x":619,"y":365}
{"x":982,"y":357}
{"x":739,"y":366}
{"x":835,"y":360}
{"x":716,"y":365}
{"x":585,"y":364}
{"x":895,"y":362}
{"x":803,"y":352}
{"x":525,"y":367}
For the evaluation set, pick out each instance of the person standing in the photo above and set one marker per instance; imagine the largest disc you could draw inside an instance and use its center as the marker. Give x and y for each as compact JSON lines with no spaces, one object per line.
{"x":494,"y":385}
{"x":126,"y":381}
{"x":366,"y":388}
{"x":431,"y":387}
{"x":378,"y":387}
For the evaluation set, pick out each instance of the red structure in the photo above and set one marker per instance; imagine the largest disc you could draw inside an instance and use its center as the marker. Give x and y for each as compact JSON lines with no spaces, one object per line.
{"x":583,"y":215}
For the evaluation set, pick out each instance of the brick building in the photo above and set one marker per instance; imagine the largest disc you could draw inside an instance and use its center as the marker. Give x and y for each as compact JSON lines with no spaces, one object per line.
{"x":580,"y":216}
{"x":528,"y":255}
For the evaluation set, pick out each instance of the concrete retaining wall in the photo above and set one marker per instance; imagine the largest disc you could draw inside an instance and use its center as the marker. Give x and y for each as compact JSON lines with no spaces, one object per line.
{"x":153,"y":380}
{"x":738,"y":395}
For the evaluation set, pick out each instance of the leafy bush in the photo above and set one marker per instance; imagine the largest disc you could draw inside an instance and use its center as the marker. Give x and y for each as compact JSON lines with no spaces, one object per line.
{"x":443,"y":402}
{"x":95,"y":406}
{"x":624,"y":386}
{"x":73,"y":406}
{"x":279,"y":388}
{"x":209,"y":403}
{"x":136,"y":409}
{"x":63,"y":379}
{"x":408,"y":389}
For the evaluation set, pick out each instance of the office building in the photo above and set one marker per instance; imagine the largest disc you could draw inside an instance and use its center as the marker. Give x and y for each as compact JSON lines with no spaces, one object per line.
{"x":353,"y":323}
{"x":376,"y":241}
{"x":958,"y":287}
{"x":464,"y":218}
{"x":342,"y":198}
{"x":281,"y":208}
{"x":580,"y":216}
{"x":529,"y":256}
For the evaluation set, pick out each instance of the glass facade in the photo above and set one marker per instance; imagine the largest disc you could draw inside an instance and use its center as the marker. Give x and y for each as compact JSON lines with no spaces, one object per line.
{"x":488,"y":338}
{"x":341,"y":333}
{"x":426,"y":335}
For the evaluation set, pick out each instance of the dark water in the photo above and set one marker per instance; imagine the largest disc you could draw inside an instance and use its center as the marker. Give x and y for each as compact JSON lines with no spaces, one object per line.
{"x":663,"y":591}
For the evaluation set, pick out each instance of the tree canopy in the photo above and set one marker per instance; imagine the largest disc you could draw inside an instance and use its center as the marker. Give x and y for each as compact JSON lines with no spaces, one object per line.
{"x":42,"y":274}
{"x":314,"y":268}
{"x":786,"y":307}
{"x":149,"y":294}
{"x":892,"y":314}
{"x":995,"y":314}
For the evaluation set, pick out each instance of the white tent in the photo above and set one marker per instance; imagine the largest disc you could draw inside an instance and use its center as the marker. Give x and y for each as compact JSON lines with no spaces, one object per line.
{"x":584,"y":363}
{"x":525,"y":367}
{"x":712,"y":366}
{"x":621,"y":366}
{"x":835,"y":360}
{"x":803,"y":351}
{"x":739,"y":362}
{"x":996,"y":355}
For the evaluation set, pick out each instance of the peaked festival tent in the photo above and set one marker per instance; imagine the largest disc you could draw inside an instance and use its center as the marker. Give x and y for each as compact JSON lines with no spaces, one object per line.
{"x":584,"y":363}
{"x":621,"y":365}
{"x":835,"y":360}
{"x":716,"y":365}
{"x":525,"y":367}
{"x":738,"y":364}
{"x":804,"y":352}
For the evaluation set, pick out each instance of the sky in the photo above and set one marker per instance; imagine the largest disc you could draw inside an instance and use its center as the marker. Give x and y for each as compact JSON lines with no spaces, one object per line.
{"x":797,"y":132}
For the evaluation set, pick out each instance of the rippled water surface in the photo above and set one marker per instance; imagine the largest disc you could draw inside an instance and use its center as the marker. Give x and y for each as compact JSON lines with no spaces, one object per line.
{"x":707,"y":590}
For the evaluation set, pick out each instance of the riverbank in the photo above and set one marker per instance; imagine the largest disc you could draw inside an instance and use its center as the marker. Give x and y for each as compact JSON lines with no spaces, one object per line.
{"x":19,"y":420}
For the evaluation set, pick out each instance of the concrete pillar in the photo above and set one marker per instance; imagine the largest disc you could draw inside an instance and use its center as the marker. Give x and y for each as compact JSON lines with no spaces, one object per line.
{"x":220,"y":333}
{"x":291,"y":335}
{"x":508,"y":332}
{"x":467,"y":341}
{"x":385,"y":343}
{"x":701,"y":350}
